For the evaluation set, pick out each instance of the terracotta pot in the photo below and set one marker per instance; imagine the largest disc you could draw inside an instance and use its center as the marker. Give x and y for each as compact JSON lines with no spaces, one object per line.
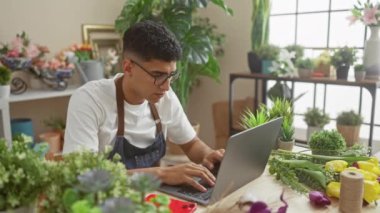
{"x":174,"y":149}
{"x":54,"y":141}
{"x":285,"y":145}
{"x":349,"y":133}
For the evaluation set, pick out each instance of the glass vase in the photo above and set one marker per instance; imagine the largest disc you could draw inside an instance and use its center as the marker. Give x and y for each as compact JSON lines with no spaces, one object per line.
{"x":371,"y":58}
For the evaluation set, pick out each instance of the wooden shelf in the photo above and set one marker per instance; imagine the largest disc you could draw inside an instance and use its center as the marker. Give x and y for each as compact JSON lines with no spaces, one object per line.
{"x":31,"y":95}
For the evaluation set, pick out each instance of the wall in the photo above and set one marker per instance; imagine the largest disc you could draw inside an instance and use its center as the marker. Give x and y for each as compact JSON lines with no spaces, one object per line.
{"x":237,"y":29}
{"x":56,"y":24}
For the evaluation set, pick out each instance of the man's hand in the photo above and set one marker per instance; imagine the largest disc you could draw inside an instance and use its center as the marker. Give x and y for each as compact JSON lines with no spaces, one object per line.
{"x":212,"y":158}
{"x":185,"y":173}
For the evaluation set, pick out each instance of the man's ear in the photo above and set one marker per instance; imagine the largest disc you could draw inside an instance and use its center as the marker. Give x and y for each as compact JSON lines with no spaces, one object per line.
{"x":127,"y":66}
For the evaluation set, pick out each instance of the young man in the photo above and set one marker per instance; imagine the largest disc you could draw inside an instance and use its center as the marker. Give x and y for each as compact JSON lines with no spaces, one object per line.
{"x":137,"y":110}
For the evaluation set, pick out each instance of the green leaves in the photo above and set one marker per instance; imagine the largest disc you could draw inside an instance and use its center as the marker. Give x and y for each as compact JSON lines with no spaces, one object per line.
{"x":250,"y":120}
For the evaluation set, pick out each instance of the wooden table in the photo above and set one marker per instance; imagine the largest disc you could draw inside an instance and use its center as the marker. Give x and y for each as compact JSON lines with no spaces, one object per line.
{"x":267,"y":188}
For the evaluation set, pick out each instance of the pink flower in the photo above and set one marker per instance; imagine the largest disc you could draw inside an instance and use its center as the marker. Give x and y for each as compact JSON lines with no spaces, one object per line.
{"x":13,"y":53}
{"x":32,"y":51}
{"x":369,"y":16}
{"x":17,"y":44}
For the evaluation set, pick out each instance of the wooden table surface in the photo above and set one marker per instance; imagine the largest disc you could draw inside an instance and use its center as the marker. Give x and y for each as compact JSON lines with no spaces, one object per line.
{"x":267,"y":188}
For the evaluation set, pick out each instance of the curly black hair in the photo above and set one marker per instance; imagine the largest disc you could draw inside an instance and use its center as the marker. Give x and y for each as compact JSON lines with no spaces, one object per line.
{"x":151,"y":40}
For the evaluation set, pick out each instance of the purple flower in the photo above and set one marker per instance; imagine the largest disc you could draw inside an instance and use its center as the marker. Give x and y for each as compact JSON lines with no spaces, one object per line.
{"x":259,"y":207}
{"x":319,"y":199}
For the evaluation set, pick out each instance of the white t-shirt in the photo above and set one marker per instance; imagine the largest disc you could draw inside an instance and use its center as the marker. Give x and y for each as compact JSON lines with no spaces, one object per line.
{"x":92,"y":119}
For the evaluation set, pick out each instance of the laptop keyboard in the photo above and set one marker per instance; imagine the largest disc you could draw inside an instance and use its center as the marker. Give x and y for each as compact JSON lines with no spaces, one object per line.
{"x":195,"y":193}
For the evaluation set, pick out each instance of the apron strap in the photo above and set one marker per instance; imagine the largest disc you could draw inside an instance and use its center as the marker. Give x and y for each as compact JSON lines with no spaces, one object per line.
{"x":120,"y":106}
{"x":156,"y":118}
{"x":120,"y":110}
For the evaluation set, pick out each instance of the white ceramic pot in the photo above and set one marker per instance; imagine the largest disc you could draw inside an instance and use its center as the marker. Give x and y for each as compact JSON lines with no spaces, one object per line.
{"x":371,"y":59}
{"x":5,"y":91}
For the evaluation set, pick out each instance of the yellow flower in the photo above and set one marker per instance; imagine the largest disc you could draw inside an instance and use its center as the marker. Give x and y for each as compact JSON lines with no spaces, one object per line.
{"x":336,"y":165}
{"x":371,"y":190}
{"x":333,"y":189}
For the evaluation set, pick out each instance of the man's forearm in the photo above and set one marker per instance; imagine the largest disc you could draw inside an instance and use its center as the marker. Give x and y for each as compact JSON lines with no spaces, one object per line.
{"x":156,"y":171}
{"x":196,"y":150}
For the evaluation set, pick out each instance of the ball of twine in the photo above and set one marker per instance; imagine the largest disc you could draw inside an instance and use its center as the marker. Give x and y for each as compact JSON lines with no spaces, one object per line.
{"x":351,"y":192}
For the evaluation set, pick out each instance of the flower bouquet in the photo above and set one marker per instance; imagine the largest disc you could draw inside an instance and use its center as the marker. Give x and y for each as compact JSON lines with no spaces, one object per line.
{"x":21,"y":53}
{"x":83,"y":52}
{"x":368,"y":13}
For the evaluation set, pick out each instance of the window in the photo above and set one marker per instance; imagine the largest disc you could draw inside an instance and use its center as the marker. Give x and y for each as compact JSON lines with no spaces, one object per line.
{"x":318,"y":25}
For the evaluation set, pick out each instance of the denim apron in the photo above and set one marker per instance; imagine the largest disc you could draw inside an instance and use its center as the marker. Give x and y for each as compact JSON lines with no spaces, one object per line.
{"x":134,"y":157}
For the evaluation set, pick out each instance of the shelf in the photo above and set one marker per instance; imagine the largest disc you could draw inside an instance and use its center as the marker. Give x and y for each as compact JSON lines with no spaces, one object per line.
{"x":31,"y":95}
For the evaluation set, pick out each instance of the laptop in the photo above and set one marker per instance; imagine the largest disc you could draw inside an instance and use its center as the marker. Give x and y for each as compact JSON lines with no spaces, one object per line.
{"x":244,"y":160}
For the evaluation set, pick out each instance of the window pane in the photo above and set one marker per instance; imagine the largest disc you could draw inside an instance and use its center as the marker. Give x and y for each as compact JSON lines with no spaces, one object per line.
{"x":341,"y":33}
{"x":308,"y":5}
{"x":283,"y":6}
{"x":312,"y":30}
{"x":342,"y":4}
{"x":281,"y":30}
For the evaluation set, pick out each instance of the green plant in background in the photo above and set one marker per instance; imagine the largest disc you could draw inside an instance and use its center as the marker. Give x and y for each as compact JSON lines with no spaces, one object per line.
{"x":327,"y":142}
{"x":250,"y":120}
{"x":260,"y":24}
{"x":56,"y":123}
{"x":23,"y":174}
{"x":5,"y":75}
{"x":287,"y":130}
{"x":281,"y":108}
{"x":305,"y":63}
{"x":349,"y":118}
{"x":197,"y":37}
{"x":268,"y":52}
{"x":359,"y":68}
{"x":316,"y":117}
{"x":297,"y":49}
{"x":323,"y":59}
{"x":345,"y":56}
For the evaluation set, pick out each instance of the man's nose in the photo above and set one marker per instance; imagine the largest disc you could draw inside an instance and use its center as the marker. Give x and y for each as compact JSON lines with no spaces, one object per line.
{"x":166,"y":85}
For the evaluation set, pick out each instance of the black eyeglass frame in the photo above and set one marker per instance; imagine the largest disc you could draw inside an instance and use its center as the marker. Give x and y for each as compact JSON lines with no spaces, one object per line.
{"x":157,"y":79}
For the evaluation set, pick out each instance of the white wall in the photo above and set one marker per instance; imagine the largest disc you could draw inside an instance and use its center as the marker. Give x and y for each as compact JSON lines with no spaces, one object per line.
{"x":57,"y":24}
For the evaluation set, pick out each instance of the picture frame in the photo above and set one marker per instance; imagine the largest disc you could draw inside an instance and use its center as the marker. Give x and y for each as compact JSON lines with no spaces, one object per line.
{"x":102,"y":38}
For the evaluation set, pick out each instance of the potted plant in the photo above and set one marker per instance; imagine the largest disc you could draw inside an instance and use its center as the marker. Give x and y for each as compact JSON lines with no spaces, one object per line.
{"x":322,"y":64}
{"x":305,"y":67}
{"x":359,"y":72}
{"x":342,"y":59}
{"x":348,"y":124}
{"x":250,"y":120}
{"x":24,"y":175}
{"x":286,"y":139}
{"x":267,"y":54}
{"x":5,"y":78}
{"x":54,"y":137}
{"x":327,"y":142}
{"x":315,"y":119}
{"x":259,"y":32}
{"x":298,"y":51}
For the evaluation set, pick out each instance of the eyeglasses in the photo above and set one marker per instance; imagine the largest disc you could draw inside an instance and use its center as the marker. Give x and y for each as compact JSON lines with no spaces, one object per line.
{"x":160,"y":78}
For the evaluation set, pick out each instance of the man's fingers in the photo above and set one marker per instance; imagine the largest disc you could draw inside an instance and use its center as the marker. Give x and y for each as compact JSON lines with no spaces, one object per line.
{"x":195,"y":184}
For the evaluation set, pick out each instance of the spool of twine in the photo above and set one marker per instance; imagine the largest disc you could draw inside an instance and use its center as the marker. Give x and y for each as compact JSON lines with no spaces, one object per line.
{"x":351,"y":192}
